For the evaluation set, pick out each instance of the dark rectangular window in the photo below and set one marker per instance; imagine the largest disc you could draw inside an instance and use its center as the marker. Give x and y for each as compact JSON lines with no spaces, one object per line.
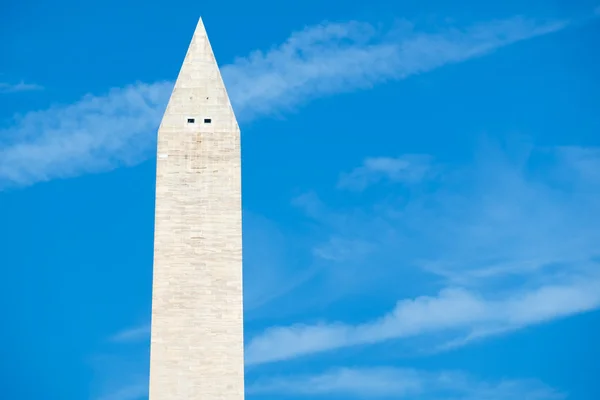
{"x":207,"y":120}
{"x":191,"y":120}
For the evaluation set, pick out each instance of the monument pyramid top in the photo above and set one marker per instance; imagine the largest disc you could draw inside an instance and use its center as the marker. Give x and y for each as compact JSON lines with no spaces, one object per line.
{"x":199,"y":100}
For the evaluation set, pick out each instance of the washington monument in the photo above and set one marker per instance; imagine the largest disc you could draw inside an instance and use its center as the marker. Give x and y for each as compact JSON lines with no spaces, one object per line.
{"x":196,"y":348}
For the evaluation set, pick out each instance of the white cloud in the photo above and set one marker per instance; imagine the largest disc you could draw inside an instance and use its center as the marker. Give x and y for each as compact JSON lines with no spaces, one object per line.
{"x":411,"y":168}
{"x":480,"y":227}
{"x":502,"y":216}
{"x":19,"y":87}
{"x":100,"y":133}
{"x":334,"y":58}
{"x":133,"y":334}
{"x":92,"y":135}
{"x":461,"y":312}
{"x":343,"y":250}
{"x":398,"y":383}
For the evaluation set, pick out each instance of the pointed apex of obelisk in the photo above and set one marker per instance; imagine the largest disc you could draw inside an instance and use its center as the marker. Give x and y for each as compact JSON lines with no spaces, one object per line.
{"x":200,"y":31}
{"x":199,"y":93}
{"x":200,"y":49}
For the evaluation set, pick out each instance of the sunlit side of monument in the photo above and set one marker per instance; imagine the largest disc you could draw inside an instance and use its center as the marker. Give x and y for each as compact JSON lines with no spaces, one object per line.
{"x":197,"y":317}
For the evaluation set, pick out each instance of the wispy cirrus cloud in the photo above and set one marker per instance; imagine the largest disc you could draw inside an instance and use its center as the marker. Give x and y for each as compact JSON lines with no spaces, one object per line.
{"x":94,"y":134}
{"x":102,"y":132}
{"x":6,"y":87}
{"x":133,"y":334}
{"x":510,"y":242}
{"x":334,"y":58}
{"x":502,"y":214}
{"x":410,"y":168}
{"x":400,"y":383}
{"x":467,"y":315}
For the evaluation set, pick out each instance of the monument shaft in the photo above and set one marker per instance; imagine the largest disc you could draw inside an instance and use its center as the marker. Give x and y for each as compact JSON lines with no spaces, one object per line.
{"x":197,"y":318}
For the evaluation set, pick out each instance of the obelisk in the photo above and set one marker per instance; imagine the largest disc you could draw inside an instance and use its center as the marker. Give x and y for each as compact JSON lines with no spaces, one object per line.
{"x":197,"y":319}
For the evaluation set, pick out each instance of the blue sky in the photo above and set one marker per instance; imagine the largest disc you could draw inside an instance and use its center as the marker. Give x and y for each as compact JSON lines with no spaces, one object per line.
{"x":421,"y":190}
